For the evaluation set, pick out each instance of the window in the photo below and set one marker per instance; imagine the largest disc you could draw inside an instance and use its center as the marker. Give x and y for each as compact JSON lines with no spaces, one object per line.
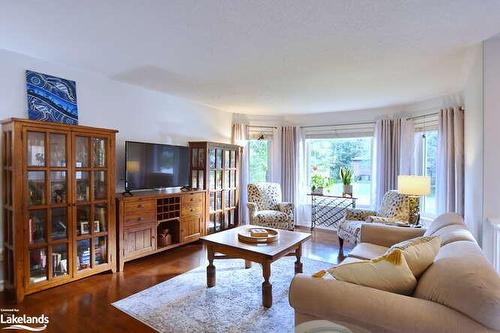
{"x":426,"y":160}
{"x":326,"y":156}
{"x":259,"y":160}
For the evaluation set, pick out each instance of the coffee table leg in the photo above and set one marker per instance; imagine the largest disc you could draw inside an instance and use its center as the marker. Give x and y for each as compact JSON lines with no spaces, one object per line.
{"x":210,"y":268}
{"x":248,"y":264}
{"x":298,"y":263}
{"x":267,"y":288}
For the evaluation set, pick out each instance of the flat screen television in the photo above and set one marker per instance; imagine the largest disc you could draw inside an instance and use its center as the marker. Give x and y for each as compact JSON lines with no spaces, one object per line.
{"x":155,"y":166}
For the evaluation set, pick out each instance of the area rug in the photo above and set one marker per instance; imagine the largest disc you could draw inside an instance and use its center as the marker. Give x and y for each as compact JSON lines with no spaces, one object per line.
{"x":185,"y":304}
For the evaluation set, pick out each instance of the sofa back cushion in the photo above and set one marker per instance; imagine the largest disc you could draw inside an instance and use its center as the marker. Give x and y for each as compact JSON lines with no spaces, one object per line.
{"x":454,"y":233}
{"x":395,"y":206}
{"x":442,"y":221}
{"x":265,"y":195}
{"x":462,"y":279}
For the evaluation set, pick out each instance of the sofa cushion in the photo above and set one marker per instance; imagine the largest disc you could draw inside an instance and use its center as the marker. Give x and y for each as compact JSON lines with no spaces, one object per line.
{"x":367,"y":251}
{"x":442,"y":221}
{"x":389,"y":272}
{"x":462,"y":279}
{"x":453,"y":233}
{"x":419,"y":252}
{"x":271,"y":218}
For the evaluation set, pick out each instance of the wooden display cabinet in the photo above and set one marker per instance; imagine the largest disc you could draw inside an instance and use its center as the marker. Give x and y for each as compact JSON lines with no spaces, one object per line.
{"x":215,"y":168}
{"x":58,"y":203}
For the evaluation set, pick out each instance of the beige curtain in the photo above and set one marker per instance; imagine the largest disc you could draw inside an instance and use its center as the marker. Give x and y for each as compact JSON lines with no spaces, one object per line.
{"x":450,"y":162}
{"x":239,"y":136}
{"x":288,"y":162}
{"x":393,"y":144}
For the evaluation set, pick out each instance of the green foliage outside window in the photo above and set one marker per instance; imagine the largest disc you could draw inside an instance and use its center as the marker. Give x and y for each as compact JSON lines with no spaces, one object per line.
{"x":258,"y":160}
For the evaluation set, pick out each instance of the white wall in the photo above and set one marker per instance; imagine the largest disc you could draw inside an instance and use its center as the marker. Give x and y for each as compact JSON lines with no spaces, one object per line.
{"x":138,"y":114}
{"x":473,"y":144}
{"x":491,"y":139}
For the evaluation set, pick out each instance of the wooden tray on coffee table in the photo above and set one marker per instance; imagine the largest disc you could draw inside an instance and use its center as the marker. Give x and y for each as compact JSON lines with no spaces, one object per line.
{"x":244,"y":235}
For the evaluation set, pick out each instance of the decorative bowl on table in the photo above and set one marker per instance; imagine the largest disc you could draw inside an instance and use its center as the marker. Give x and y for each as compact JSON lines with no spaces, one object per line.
{"x":258,"y":235}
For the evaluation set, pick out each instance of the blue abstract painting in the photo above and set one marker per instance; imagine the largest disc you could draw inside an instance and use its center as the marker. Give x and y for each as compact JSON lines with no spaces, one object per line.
{"x":51,"y":98}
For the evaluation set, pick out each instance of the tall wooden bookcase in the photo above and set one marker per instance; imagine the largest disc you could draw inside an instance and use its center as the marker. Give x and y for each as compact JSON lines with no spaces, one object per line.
{"x":58,"y":203}
{"x":215,"y":167}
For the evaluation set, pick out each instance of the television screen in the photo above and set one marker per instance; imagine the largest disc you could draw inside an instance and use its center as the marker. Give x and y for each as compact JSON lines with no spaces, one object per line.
{"x":150,"y":166}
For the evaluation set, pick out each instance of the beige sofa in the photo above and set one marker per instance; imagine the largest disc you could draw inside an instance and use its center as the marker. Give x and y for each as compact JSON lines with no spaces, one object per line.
{"x":459,"y":292}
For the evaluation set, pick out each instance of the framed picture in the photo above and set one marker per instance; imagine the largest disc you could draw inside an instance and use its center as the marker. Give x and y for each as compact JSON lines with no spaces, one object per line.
{"x":84,"y":228}
{"x":97,"y":227}
{"x":51,"y":98}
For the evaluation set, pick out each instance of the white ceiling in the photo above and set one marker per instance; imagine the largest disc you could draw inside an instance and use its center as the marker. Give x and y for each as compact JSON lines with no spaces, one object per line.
{"x":261,"y":56}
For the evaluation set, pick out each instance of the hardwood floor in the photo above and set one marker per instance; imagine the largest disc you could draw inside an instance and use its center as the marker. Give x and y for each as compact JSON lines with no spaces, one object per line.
{"x":85,"y":305}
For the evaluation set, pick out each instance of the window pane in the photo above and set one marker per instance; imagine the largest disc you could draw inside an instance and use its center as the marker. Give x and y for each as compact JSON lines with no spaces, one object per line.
{"x":36,"y":149}
{"x":82,"y":152}
{"x":100,"y":224}
{"x":100,"y":250}
{"x":59,"y":260}
{"x":429,"y":167}
{"x":38,"y":265}
{"x":99,"y":155}
{"x":325,"y":157}
{"x":36,"y":188}
{"x":58,"y":187}
{"x":59,"y":224}
{"x":83,"y":254}
{"x":37,"y":226}
{"x":57,"y":150}
{"x":258,"y":160}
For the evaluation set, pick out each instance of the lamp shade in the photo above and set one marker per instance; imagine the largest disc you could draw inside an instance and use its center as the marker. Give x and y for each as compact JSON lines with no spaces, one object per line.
{"x":414,"y":185}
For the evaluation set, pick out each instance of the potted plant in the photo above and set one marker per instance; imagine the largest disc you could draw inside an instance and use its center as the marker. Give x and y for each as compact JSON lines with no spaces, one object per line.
{"x":317,"y":184}
{"x":346,"y":175}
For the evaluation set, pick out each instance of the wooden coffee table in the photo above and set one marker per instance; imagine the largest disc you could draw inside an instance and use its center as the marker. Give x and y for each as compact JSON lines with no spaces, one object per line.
{"x":227,"y":245}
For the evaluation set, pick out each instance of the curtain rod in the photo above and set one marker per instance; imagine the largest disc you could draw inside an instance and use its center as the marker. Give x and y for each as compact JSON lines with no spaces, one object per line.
{"x":254,"y":126}
{"x":345,"y":124}
{"x":424,"y":115}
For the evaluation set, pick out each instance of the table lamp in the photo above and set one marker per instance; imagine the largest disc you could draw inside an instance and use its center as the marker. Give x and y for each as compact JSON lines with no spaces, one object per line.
{"x":414,"y":187}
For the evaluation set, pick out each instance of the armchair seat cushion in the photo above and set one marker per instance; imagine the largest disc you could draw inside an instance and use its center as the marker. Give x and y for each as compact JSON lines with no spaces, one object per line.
{"x":368,"y":251}
{"x":272,"y":219}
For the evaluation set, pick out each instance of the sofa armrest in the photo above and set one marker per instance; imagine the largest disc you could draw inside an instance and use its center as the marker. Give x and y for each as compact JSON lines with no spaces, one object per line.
{"x":388,"y":235}
{"x":357,"y":214}
{"x":373,"y":309}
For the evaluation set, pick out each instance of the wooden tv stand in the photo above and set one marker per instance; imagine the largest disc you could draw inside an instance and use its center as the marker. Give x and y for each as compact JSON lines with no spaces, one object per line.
{"x":143,"y":216}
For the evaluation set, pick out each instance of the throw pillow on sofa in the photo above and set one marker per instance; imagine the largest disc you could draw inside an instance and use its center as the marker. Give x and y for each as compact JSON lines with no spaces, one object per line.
{"x":419,"y":252}
{"x":389,"y":272}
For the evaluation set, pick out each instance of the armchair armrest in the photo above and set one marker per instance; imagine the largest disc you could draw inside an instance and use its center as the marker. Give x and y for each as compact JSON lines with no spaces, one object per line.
{"x":357,"y":214}
{"x":380,"y":219}
{"x":286,"y":207}
{"x":388,"y":235}
{"x":252,"y":209}
{"x":374,"y":310}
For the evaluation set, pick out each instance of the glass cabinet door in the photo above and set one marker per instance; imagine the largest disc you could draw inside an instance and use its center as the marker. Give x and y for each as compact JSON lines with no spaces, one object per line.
{"x":48,"y":205}
{"x":92,"y":201}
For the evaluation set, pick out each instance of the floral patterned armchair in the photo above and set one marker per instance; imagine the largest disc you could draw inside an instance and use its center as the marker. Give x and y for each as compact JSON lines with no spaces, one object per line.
{"x":266,"y":209}
{"x":395,"y":208}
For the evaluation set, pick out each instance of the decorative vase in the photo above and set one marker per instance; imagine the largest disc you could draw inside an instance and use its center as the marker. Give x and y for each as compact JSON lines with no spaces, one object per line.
{"x":347,"y":191}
